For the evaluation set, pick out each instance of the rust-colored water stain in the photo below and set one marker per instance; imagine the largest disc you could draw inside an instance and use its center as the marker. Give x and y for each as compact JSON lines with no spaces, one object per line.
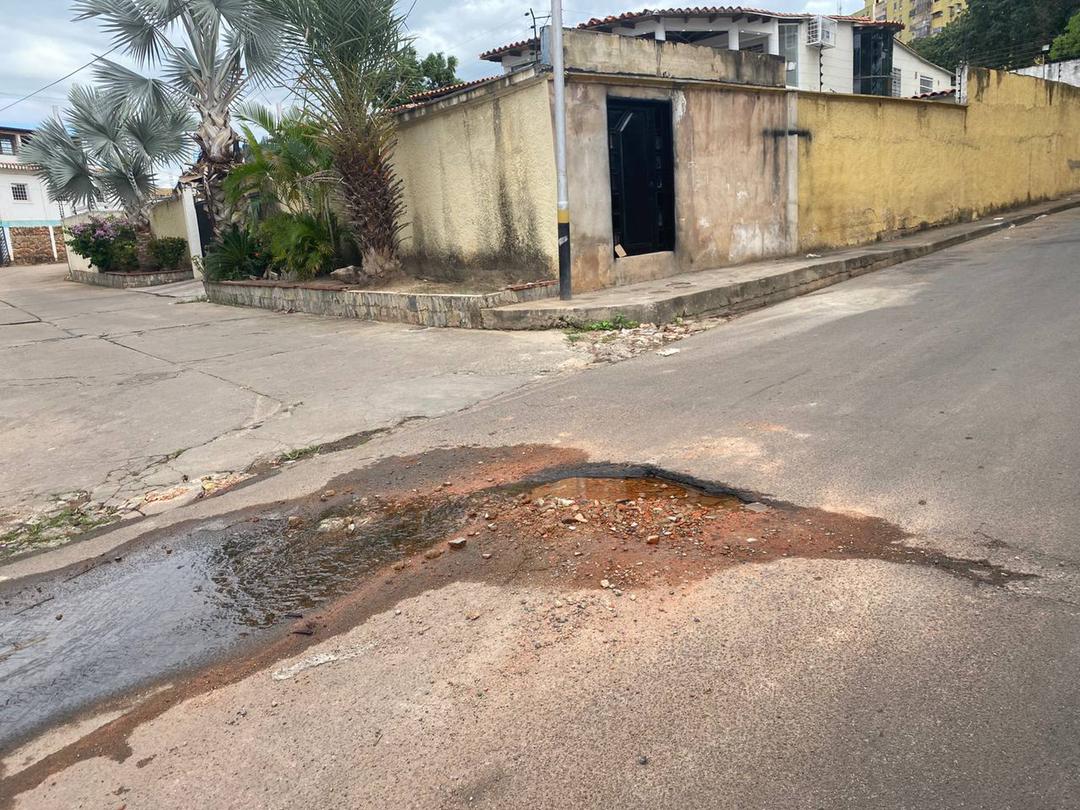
{"x":530,"y":514}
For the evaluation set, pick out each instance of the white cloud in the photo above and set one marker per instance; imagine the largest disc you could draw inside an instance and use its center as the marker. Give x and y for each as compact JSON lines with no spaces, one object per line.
{"x":48,"y":44}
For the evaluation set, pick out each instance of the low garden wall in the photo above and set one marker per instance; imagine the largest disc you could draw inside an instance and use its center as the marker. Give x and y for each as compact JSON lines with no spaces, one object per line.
{"x":125,"y":280}
{"x":422,"y":309}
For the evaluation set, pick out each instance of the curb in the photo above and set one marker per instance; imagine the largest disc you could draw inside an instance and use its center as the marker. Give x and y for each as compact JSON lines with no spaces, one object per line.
{"x":759,"y":292}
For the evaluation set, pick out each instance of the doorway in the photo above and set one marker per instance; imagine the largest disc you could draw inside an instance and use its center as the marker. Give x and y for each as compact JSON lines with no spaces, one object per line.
{"x":642,"y":161}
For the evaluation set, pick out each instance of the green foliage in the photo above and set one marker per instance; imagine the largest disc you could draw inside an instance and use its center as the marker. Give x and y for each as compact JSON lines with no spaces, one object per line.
{"x":236,"y":254}
{"x":417,"y":75}
{"x":300,"y":246}
{"x":167,"y":252}
{"x":199,"y":55}
{"x":351,"y":55}
{"x":1001,"y":34}
{"x":618,"y":321}
{"x":299,"y":453}
{"x":1067,"y":46}
{"x":107,"y":242}
{"x":287,"y":169}
{"x":97,"y":151}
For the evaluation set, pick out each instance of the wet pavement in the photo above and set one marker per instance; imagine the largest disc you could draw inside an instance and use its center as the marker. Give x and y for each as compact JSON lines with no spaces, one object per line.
{"x":216,"y":590}
{"x":175,"y":605}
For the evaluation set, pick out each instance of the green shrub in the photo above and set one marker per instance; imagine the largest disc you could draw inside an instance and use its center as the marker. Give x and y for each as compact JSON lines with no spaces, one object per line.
{"x":300,"y":245}
{"x":125,"y":256}
{"x":108,"y":243}
{"x":237,"y":254}
{"x":167,"y":252}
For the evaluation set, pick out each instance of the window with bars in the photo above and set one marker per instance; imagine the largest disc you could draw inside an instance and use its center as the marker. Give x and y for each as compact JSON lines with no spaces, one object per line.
{"x":897,"y":82}
{"x":7,"y":144}
{"x":20,"y":192}
{"x":926,"y":84}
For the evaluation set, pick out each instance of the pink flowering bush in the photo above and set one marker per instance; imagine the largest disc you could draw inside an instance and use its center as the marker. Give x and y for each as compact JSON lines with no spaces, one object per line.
{"x":108,"y":242}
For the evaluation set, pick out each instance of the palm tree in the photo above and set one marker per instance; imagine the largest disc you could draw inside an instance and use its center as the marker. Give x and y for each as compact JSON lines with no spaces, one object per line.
{"x":288,"y":168}
{"x":349,"y":55}
{"x":93,"y":155}
{"x":205,"y":54}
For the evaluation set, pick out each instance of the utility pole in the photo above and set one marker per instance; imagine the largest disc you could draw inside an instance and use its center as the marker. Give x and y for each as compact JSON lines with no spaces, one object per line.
{"x":562,"y":195}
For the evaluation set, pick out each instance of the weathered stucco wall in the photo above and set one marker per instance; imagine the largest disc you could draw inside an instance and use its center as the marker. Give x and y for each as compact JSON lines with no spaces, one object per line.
{"x":1026,"y":138}
{"x":731,"y":180}
{"x":479,"y":187}
{"x":596,"y":52}
{"x":1016,"y":141}
{"x":167,"y":219}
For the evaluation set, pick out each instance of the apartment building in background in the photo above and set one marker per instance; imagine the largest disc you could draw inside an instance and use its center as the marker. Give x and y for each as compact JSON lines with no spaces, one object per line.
{"x":921,"y":18}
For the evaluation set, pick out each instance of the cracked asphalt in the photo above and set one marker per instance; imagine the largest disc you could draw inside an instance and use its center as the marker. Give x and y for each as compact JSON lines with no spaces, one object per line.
{"x":939,"y":395}
{"x":117,"y":393}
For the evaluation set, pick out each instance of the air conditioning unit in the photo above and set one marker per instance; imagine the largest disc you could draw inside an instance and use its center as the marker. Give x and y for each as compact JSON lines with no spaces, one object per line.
{"x":821,"y":32}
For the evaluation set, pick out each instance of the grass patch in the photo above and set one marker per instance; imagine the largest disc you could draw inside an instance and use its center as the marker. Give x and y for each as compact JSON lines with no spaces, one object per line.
{"x":50,"y":530}
{"x":618,"y":321}
{"x":299,"y":453}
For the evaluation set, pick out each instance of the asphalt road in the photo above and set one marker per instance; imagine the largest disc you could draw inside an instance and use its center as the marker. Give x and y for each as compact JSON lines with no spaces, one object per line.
{"x":940,"y":395}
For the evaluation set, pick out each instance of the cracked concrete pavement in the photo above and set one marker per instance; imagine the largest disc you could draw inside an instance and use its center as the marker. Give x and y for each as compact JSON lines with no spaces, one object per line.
{"x":119,"y":392}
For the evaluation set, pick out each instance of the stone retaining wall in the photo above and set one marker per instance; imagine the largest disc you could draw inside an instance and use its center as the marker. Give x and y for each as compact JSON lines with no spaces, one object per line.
{"x":34,"y":245}
{"x":125,"y":280}
{"x":422,"y":309}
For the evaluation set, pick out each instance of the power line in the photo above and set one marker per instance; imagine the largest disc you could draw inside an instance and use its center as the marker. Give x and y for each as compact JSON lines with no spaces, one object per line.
{"x":52,"y":84}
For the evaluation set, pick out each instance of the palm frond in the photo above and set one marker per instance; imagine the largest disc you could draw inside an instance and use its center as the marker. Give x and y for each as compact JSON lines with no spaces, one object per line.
{"x":159,"y":136}
{"x":89,"y":114}
{"x":135,"y":26}
{"x":126,"y":88}
{"x":129,"y":181}
{"x":62,"y":164}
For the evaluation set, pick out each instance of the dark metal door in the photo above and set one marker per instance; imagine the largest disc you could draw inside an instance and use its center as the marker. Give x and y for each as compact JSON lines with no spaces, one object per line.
{"x":642,"y":175}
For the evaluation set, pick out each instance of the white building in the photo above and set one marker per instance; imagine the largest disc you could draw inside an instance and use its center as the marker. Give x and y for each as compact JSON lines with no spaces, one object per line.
{"x":830,"y":54}
{"x":30,"y":231}
{"x":1067,"y":72}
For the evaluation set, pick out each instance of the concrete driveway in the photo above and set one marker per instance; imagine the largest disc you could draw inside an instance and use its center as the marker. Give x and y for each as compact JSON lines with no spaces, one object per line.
{"x":116,"y":393}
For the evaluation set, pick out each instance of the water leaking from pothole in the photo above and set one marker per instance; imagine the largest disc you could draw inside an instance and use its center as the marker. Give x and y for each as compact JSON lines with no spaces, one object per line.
{"x":201,"y":594}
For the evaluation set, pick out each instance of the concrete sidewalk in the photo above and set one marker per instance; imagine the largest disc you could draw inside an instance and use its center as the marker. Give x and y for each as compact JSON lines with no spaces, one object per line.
{"x":119,"y":393}
{"x":729,"y":290}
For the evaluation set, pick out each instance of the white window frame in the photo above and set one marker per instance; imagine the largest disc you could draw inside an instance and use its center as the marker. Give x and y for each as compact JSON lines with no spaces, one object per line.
{"x":26,"y":190}
{"x":922,"y":88}
{"x":14,"y":145}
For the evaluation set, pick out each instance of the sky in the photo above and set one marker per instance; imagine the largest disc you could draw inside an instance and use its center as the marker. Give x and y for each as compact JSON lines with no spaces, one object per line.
{"x":41,"y":43}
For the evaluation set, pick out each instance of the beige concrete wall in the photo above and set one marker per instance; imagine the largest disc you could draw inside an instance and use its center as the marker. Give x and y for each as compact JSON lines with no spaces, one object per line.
{"x":596,"y":52}
{"x":873,"y":168}
{"x":731,"y":180}
{"x":167,"y":219}
{"x":74,"y":261}
{"x":478,"y":179}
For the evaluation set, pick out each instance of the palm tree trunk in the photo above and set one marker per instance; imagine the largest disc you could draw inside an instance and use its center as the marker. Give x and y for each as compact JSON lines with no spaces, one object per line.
{"x":217,"y":142}
{"x":372,"y":196}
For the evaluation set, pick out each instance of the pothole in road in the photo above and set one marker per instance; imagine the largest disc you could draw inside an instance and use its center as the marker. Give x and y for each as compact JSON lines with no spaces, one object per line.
{"x":207,"y":592}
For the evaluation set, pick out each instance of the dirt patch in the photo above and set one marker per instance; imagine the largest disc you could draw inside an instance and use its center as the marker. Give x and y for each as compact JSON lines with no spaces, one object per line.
{"x":261,"y":585}
{"x":618,"y":339}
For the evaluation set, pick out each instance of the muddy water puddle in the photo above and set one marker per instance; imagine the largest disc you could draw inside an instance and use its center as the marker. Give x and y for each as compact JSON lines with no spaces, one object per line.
{"x":211,"y":591}
{"x":178,"y":604}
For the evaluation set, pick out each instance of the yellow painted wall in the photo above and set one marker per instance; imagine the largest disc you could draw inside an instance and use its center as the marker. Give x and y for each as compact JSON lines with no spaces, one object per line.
{"x":479,"y":187}
{"x":915,"y":16}
{"x":1016,"y":141}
